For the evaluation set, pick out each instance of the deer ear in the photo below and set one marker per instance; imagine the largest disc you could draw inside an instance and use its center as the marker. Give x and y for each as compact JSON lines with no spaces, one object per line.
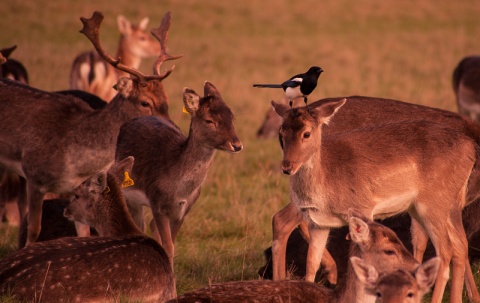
{"x":124,"y":26}
{"x":191,"y":100}
{"x":366,"y":273}
{"x":143,"y":23}
{"x":120,"y":167}
{"x":124,"y":86}
{"x":98,"y":182}
{"x":358,"y":230}
{"x":279,"y":108}
{"x":426,"y":273}
{"x":326,"y":111}
{"x":209,"y":90}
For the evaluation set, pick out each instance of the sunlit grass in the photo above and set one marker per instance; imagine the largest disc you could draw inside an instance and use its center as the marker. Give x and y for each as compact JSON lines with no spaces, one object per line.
{"x":403,"y":50}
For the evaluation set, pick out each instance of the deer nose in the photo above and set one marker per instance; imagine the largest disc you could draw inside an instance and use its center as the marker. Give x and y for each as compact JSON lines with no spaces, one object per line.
{"x":287,"y":167}
{"x":237,"y":146}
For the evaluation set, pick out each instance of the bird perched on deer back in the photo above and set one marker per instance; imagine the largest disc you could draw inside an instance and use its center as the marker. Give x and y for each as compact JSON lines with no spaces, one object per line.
{"x":300,"y":85}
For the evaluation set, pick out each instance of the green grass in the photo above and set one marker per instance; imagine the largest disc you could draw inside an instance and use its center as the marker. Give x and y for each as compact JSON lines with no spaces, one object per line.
{"x":403,"y":50}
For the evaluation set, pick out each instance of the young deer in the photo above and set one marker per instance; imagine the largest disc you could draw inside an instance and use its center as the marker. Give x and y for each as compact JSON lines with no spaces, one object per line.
{"x":371,"y":242}
{"x":381,"y":111}
{"x":466,"y":85}
{"x":170,"y":170}
{"x":92,"y":74}
{"x":54,"y":140}
{"x":382,"y":171}
{"x":399,"y":286}
{"x":123,"y":263}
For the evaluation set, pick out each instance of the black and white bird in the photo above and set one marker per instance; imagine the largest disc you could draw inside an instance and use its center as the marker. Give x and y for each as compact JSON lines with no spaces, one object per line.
{"x":300,"y":85}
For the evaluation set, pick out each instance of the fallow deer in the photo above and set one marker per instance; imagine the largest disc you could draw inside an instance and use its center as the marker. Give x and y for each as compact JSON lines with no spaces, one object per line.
{"x":466,"y":85}
{"x":372,"y":242}
{"x":123,"y":263}
{"x":380,"y":111}
{"x":56,"y":142}
{"x":399,"y":286}
{"x":91,"y":73}
{"x":170,"y":170}
{"x":11,"y":68}
{"x":382,"y":171}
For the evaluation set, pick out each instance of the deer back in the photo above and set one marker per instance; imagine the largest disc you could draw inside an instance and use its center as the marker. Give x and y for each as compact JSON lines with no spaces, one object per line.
{"x":87,"y":270}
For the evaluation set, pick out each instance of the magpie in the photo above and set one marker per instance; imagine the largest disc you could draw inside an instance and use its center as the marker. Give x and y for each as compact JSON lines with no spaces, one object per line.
{"x":300,"y":85}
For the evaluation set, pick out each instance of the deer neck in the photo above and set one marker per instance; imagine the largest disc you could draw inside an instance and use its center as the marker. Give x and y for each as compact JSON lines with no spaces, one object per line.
{"x":197,"y":155}
{"x":126,"y":57}
{"x":114,"y":220}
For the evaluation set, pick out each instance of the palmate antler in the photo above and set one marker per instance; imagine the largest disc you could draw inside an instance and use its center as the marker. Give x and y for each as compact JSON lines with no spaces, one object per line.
{"x":91,"y":29}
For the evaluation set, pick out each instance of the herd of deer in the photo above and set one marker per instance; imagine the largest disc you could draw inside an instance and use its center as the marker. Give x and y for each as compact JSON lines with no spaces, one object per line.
{"x":350,"y":171}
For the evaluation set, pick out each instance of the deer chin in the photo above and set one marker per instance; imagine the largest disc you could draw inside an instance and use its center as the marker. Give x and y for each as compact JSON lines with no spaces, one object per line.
{"x":230,"y":148}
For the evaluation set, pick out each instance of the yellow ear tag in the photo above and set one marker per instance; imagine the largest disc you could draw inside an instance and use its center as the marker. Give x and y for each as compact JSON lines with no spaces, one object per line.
{"x":127,"y":180}
{"x":107,"y":190}
{"x":185,"y":110}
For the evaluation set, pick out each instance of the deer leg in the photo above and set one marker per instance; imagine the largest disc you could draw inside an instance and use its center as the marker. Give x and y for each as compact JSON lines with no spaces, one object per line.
{"x":163,"y":227}
{"x":419,"y":240}
{"x":328,"y":263}
{"x":316,"y":248}
{"x":35,"y":201}
{"x":451,"y":246}
{"x":283,"y":223}
{"x":22,"y":198}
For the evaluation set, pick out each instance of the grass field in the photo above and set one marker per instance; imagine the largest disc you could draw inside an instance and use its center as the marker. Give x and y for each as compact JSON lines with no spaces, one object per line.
{"x":403,"y":50}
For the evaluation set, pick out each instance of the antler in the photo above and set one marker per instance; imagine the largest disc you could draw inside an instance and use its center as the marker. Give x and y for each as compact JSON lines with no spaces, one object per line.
{"x":161,"y":34}
{"x":91,"y":31}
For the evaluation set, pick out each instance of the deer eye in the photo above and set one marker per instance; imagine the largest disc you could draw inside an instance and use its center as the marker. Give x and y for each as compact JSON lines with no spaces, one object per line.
{"x":144,"y":104}
{"x":410,"y":294}
{"x":306,"y":135}
{"x":209,"y":121}
{"x":378,"y":294}
{"x":389,"y":252}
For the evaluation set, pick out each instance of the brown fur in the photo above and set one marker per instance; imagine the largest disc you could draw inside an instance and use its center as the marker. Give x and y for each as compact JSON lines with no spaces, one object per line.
{"x":371,"y":241}
{"x":101,"y":269}
{"x":357,"y":168}
{"x":92,"y":74}
{"x":466,"y":85}
{"x":171,"y":168}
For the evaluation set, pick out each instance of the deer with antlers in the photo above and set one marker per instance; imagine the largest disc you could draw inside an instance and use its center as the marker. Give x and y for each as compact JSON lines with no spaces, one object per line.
{"x":91,"y":73}
{"x":382,"y":171}
{"x":54,"y":142}
{"x":170,"y":170}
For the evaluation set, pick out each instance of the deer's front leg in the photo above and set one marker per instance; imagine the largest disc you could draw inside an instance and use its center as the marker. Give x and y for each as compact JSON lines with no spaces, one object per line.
{"x":35,"y":201}
{"x":283,"y":223}
{"x":316,"y":248}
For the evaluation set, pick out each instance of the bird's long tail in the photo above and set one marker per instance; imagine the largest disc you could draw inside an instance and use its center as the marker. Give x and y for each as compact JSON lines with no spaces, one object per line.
{"x":268,"y":85}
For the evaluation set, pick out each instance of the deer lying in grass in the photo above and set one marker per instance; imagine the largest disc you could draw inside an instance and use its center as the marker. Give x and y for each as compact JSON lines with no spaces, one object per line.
{"x":382,"y":171}
{"x":11,"y":68}
{"x":123,"y":263}
{"x":170,"y":168}
{"x":54,"y":141}
{"x":91,"y":73}
{"x":399,"y":286}
{"x":371,"y":242}
{"x":466,"y":85}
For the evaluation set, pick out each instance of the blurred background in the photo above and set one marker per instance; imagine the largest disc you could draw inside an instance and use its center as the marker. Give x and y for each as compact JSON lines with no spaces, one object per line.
{"x":404,"y":50}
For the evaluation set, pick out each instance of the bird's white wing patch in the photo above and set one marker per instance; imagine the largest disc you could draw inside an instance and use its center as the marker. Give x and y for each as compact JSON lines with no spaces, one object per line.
{"x":297,"y":80}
